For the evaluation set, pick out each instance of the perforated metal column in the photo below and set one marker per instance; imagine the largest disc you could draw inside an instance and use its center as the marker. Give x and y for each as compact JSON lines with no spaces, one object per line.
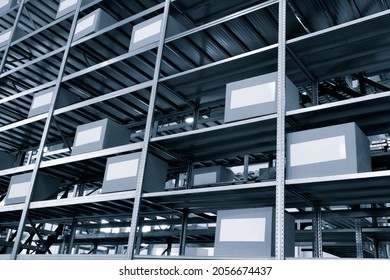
{"x":45,"y":133}
{"x":359,"y":239}
{"x":148,"y":132}
{"x":280,"y":137}
{"x":317,"y":227}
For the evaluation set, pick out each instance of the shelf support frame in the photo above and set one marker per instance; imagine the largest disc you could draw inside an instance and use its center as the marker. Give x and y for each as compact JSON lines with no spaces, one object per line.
{"x":8,"y":46}
{"x":45,"y":134}
{"x":359,"y":238}
{"x":280,"y":134}
{"x":148,"y":132}
{"x":317,"y":227}
{"x":183,"y":233}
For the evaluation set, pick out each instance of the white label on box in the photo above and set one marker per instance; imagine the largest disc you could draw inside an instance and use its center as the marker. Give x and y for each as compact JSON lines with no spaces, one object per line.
{"x":205,"y":178}
{"x":147,"y":31}
{"x":253,"y":95}
{"x":123,"y":169}
{"x":42,"y":100}
{"x":4,"y":3}
{"x":18,"y":190}
{"x":85,"y":23}
{"x":316,"y":151}
{"x":242,"y":230}
{"x":5,"y":37}
{"x":66,"y":4}
{"x":88,"y":136}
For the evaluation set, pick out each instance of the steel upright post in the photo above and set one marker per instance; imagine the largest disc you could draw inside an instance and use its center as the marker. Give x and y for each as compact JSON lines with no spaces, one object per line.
{"x":280,"y":134}
{"x":45,"y":133}
{"x":183,"y":233}
{"x":359,"y":239}
{"x":317,"y":227}
{"x":148,"y":132}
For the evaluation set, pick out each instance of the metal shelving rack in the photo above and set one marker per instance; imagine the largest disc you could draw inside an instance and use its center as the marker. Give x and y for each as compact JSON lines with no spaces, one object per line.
{"x":151,"y":90}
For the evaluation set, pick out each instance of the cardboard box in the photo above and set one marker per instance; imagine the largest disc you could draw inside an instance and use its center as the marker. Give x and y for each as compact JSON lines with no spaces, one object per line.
{"x":95,"y":21}
{"x":42,"y":100}
{"x":332,"y":150}
{"x":45,"y":187}
{"x":5,"y":36}
{"x":251,"y":233}
{"x":6,"y":5}
{"x":147,"y":34}
{"x":266,"y":174}
{"x":6,"y":160}
{"x":67,"y":6}
{"x":211,"y":175}
{"x":256,"y":96}
{"x":99,"y":135}
{"x":122,"y":173}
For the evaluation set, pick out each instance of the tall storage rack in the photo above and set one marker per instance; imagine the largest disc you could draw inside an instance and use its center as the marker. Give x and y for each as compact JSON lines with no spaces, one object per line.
{"x":150,"y":90}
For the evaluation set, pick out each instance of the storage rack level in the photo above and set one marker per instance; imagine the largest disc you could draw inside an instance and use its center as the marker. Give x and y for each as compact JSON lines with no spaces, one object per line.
{"x":338,"y":60}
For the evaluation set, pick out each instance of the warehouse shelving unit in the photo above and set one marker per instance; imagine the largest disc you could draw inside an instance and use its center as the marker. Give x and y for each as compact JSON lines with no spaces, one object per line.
{"x":336,"y":53}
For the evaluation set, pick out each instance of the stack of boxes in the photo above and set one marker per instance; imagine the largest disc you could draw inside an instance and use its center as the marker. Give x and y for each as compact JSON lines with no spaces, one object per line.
{"x":121,"y":173}
{"x":45,"y":187}
{"x":211,"y":175}
{"x":332,"y":150}
{"x":42,"y":101}
{"x":67,"y":6}
{"x":250,"y":233}
{"x":99,"y":135}
{"x":146,"y":35}
{"x":256,"y":96}
{"x":92,"y":22}
{"x":6,"y":5}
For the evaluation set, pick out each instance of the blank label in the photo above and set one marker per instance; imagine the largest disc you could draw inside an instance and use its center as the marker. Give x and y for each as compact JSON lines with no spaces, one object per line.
{"x":147,"y":31}
{"x":66,"y":4}
{"x":18,"y":190}
{"x":42,"y":100}
{"x":316,"y":151}
{"x":123,"y":169}
{"x":3,"y":3}
{"x":243,"y":230}
{"x":5,"y":37}
{"x":88,"y":136}
{"x":85,"y":23}
{"x":252,"y":95}
{"x":205,"y":178}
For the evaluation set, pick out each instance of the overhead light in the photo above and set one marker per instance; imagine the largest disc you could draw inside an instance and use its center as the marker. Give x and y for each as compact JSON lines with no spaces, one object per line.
{"x":189,"y":119}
